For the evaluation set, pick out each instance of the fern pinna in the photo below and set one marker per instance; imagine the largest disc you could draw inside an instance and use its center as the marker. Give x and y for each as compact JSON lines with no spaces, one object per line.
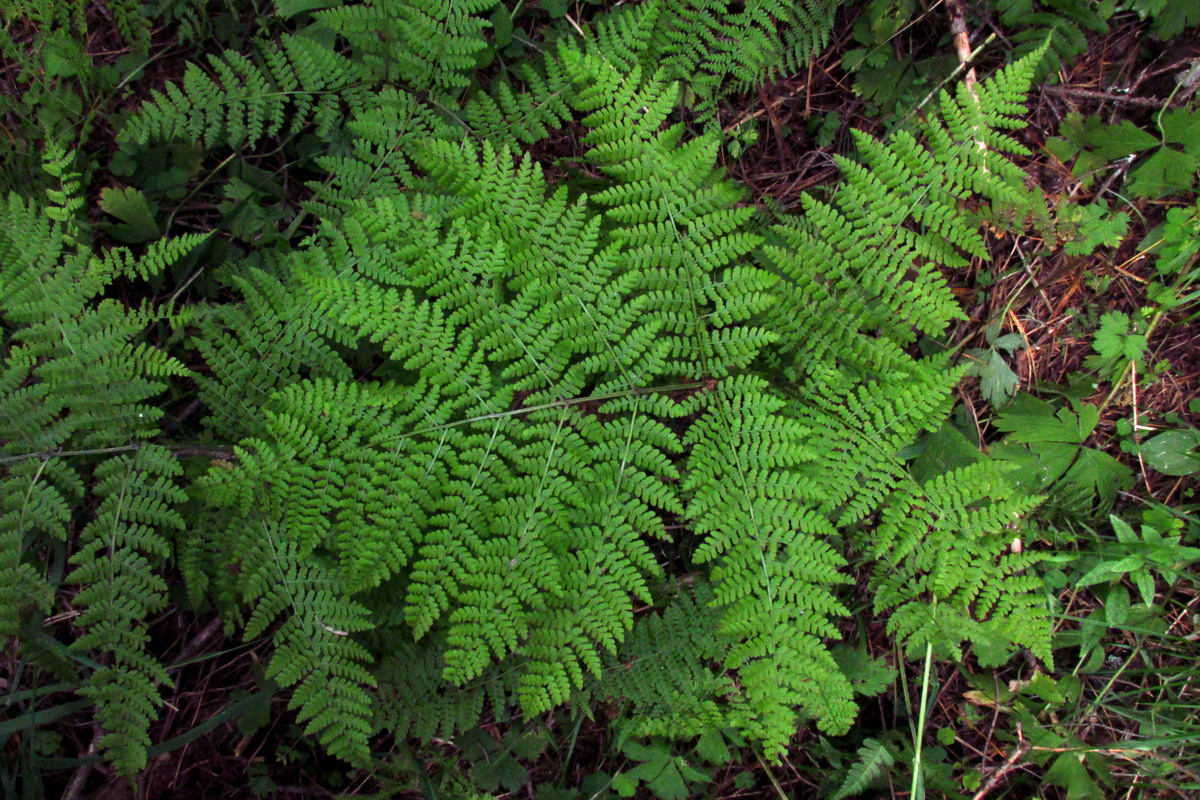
{"x":477,"y":419}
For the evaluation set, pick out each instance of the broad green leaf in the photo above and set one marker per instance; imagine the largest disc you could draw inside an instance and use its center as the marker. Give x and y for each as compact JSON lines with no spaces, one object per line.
{"x":1174,"y":453}
{"x":1182,"y":126}
{"x":1104,"y":143}
{"x":1068,"y":772}
{"x":1029,"y":419}
{"x":669,"y":784}
{"x":1164,"y":173}
{"x":625,"y":785}
{"x":1096,"y":471}
{"x":1125,"y":534}
{"x":1145,"y":583}
{"x":712,"y":748}
{"x":1116,"y":605}
{"x":1117,"y":141}
{"x":1108,"y":570}
{"x":63,"y":57}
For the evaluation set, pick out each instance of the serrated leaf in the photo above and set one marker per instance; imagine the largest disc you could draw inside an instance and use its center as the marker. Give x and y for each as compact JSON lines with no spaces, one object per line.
{"x":942,"y":451}
{"x":1029,"y":419}
{"x":1062,"y":149}
{"x":1098,"y":472}
{"x":1106,"y":143}
{"x":669,"y":784}
{"x":1115,"y":344}
{"x":1182,"y":127}
{"x":1011,"y":342}
{"x":1069,"y":773}
{"x":624,"y":784}
{"x":499,"y":771}
{"x":1098,"y":227}
{"x":997,"y":382}
{"x":1164,"y":173}
{"x":1053,"y":453}
{"x":869,"y":676}
{"x":502,"y":26}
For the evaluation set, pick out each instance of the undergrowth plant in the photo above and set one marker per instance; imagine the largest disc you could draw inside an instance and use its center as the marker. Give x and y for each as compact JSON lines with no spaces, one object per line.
{"x":476,"y":434}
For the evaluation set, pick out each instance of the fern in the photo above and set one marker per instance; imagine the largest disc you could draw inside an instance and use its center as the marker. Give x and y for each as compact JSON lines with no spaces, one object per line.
{"x":670,"y":672}
{"x":76,"y":380}
{"x":944,"y":573}
{"x":775,"y":568}
{"x":490,"y":498}
{"x":300,"y":82}
{"x":1062,"y":24}
{"x":676,"y":219}
{"x":491,"y":482}
{"x":70,"y":16}
{"x":430,"y":46}
{"x":415,"y":702}
{"x":385,"y":136}
{"x":120,"y":590}
{"x":874,"y":760}
{"x":712,"y":45}
{"x":471,"y":411}
{"x":719,"y":49}
{"x":941,"y":584}
{"x":257,"y":348}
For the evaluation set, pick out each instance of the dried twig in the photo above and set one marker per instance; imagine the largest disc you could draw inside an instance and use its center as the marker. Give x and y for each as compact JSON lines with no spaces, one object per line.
{"x":1079,"y":93}
{"x":74,"y":790}
{"x":1010,"y":763}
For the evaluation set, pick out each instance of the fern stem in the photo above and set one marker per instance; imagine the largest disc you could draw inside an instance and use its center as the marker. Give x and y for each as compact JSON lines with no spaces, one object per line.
{"x":179,"y":449}
{"x":917,"y":779}
{"x":516,"y":412}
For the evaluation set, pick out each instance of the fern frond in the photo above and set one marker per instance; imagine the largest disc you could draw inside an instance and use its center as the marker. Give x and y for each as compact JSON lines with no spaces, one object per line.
{"x":36,"y":497}
{"x":676,"y":221}
{"x":941,"y":550}
{"x":77,"y":377}
{"x":775,"y":570}
{"x":874,"y":760}
{"x":431,"y":45}
{"x":298,"y":83}
{"x":719,"y":46}
{"x":1056,"y":30}
{"x":670,"y":670}
{"x":114,"y":565}
{"x":385,"y":137}
{"x":257,"y":348}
